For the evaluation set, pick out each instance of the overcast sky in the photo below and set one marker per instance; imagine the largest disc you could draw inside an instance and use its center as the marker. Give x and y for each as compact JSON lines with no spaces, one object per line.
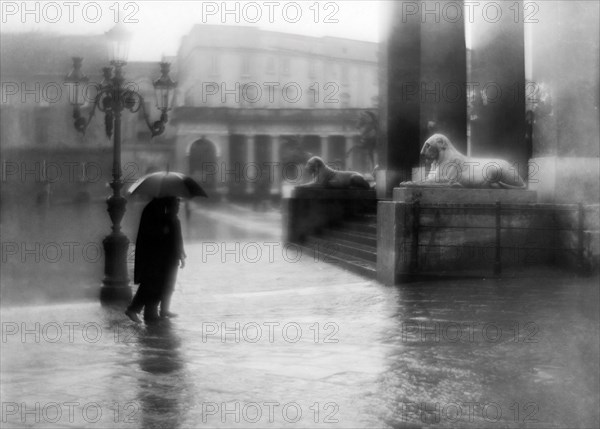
{"x":158,"y":26}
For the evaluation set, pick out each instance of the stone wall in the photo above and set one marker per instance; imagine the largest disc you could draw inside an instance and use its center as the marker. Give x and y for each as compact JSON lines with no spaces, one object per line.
{"x":460,"y":238}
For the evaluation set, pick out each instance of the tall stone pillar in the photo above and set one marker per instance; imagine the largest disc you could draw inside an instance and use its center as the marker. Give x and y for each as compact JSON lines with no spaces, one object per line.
{"x":443,"y":72}
{"x":497,"y":73}
{"x":223,"y":159}
{"x":422,"y":84}
{"x":399,"y":111}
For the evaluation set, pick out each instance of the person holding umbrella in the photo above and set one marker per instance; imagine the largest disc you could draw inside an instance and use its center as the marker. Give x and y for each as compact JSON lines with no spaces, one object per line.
{"x":159,"y":244}
{"x":174,"y":255}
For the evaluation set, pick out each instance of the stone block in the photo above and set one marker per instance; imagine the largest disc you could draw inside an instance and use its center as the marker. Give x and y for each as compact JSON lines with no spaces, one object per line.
{"x":333,"y":194}
{"x":309,"y":210}
{"x":387,"y":237}
{"x":385,"y":181}
{"x":461,"y":238}
{"x":447,"y":195}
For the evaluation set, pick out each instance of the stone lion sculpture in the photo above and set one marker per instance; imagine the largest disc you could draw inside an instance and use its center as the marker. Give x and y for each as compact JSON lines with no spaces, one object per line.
{"x":449,"y":167}
{"x":326,"y":177}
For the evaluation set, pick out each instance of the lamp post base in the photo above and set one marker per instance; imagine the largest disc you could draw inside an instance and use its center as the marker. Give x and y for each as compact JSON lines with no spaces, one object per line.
{"x":116,"y":282}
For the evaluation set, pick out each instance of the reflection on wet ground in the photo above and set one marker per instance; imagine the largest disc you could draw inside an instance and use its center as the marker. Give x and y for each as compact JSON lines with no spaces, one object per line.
{"x":284,"y":340}
{"x":496,"y":353}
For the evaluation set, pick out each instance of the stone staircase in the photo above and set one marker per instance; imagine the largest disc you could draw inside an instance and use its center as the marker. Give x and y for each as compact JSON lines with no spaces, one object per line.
{"x":351,"y":243}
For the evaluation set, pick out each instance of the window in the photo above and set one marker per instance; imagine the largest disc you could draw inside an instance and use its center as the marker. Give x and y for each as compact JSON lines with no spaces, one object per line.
{"x":269,"y":96}
{"x":270,"y":65}
{"x":313,"y":96}
{"x":332,"y":68}
{"x":285,"y":66}
{"x":345,"y":99}
{"x":246,"y":65}
{"x":345,"y":74}
{"x":214,"y":65}
{"x":312,"y":68}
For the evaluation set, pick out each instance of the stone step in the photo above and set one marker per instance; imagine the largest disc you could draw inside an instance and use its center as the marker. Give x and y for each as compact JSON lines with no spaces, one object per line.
{"x":336,"y":246}
{"x":351,"y":236}
{"x":367,"y":227}
{"x":351,"y":263}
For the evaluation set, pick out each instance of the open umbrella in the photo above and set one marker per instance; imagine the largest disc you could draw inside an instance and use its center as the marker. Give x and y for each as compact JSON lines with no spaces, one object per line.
{"x":167,"y":184}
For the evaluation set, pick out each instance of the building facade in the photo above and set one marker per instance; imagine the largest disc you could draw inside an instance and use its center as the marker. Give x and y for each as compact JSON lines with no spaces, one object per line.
{"x":253,"y":105}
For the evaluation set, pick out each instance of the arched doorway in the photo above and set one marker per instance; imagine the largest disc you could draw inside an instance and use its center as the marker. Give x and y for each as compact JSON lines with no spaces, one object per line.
{"x":203,"y":163}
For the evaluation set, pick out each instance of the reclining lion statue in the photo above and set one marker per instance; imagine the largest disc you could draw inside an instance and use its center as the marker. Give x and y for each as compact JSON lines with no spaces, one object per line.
{"x":326,"y":177}
{"x":449,"y":167}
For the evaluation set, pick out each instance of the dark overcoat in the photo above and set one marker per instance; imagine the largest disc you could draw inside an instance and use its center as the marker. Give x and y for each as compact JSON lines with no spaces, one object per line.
{"x":158,"y":246}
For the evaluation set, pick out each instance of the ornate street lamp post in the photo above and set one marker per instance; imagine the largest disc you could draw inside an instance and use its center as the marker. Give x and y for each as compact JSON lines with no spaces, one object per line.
{"x":111,"y":98}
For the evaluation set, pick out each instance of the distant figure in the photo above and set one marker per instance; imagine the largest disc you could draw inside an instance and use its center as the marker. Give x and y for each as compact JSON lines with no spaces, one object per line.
{"x":158,"y":252}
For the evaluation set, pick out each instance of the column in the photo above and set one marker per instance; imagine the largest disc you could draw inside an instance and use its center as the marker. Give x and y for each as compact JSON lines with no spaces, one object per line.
{"x":399,"y":112}
{"x":325,"y":146}
{"x":337,"y":151}
{"x":223,"y":161}
{"x":498,"y":72}
{"x":276,"y":171}
{"x":248,"y":170}
{"x":443,"y":73}
{"x":349,"y":144}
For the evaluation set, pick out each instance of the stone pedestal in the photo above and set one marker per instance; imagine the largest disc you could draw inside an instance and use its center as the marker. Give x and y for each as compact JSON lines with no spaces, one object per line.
{"x":463,"y":232}
{"x":394,"y":242}
{"x":308,"y":210}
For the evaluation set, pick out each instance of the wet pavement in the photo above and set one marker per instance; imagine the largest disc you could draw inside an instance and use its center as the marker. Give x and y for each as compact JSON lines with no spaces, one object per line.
{"x":268,"y":336}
